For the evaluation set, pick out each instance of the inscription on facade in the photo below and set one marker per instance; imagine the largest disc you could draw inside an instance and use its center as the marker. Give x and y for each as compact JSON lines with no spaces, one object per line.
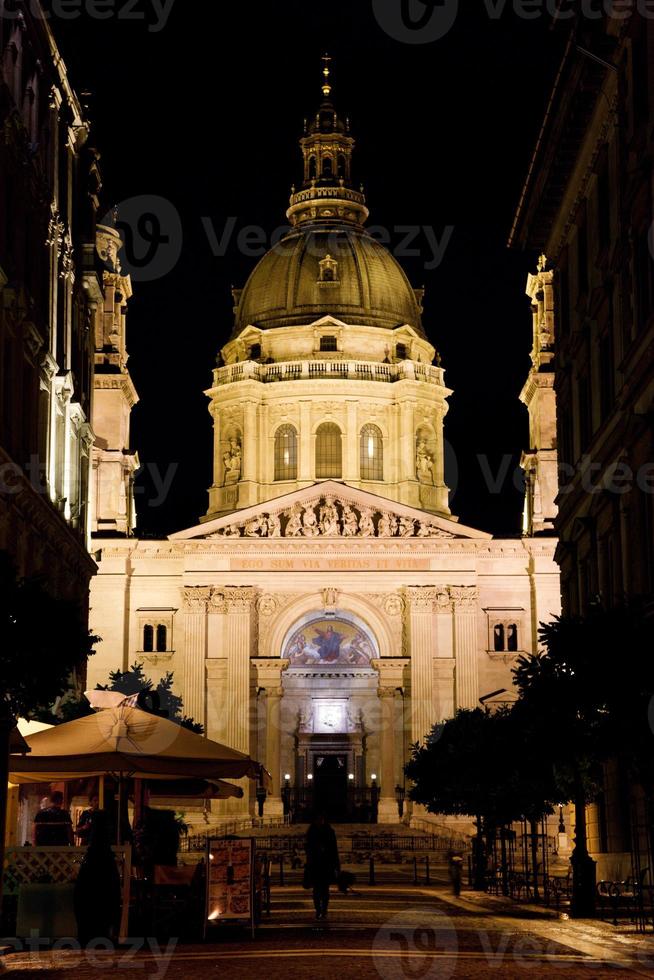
{"x":329,"y":564}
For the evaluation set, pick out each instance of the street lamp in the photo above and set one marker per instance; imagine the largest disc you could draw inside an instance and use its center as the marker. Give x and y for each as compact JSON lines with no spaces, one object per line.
{"x":286,"y":794}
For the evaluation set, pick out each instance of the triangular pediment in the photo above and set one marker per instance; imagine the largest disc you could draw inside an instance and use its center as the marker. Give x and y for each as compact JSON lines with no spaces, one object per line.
{"x":330,"y":509}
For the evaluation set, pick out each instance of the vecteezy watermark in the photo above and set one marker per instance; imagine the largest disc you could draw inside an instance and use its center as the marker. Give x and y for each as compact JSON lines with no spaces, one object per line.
{"x":416,"y":21}
{"x":426,"y":21}
{"x":151,"y":231}
{"x":139,"y":953}
{"x":158,"y":480}
{"x":154,"y":13}
{"x":404,"y":241}
{"x":419,"y":942}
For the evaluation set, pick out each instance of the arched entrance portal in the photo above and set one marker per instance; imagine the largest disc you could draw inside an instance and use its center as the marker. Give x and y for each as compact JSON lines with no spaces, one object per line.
{"x":330,"y":728}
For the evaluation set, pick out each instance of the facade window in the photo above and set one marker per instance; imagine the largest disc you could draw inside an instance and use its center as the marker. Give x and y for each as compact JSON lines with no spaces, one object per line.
{"x":371,"y":455}
{"x":604,"y":204}
{"x":162,"y":638}
{"x":644,"y":287}
{"x":607,"y":387}
{"x":328,"y":344}
{"x":329,"y":452}
{"x":504,"y":631}
{"x":563,"y":306}
{"x":582,"y":258}
{"x":148,"y":638}
{"x":286,"y":453}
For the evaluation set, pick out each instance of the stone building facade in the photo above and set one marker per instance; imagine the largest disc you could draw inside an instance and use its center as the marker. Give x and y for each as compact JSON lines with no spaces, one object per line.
{"x":587,"y":207}
{"x":50,"y":290}
{"x":328,"y":609}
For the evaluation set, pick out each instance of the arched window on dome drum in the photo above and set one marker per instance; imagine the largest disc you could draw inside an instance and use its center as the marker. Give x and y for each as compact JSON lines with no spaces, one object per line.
{"x":329,"y":452}
{"x":371,"y":453}
{"x":286,"y":453}
{"x":341,"y":166}
{"x":327,"y":167}
{"x":313,"y":170}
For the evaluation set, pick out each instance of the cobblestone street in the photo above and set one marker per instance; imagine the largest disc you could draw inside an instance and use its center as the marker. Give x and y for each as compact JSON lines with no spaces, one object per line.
{"x":391,"y":933}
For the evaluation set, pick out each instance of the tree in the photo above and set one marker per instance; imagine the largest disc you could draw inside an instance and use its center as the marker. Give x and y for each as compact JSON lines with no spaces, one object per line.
{"x":480,"y":764}
{"x":44,"y":645}
{"x":160,"y":699}
{"x":587,"y":711}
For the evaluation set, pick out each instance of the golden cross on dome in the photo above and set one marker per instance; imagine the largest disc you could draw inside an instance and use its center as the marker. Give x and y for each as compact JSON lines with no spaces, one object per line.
{"x":326,"y":71}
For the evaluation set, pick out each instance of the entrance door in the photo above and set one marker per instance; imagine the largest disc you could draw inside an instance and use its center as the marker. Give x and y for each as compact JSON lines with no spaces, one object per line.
{"x":330,"y":786}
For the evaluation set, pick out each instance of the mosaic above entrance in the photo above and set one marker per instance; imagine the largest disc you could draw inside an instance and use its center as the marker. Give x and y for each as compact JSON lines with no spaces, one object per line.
{"x":330,"y":642}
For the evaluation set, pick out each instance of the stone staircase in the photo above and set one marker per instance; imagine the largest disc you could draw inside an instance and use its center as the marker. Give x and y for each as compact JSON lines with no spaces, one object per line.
{"x":385,"y":853}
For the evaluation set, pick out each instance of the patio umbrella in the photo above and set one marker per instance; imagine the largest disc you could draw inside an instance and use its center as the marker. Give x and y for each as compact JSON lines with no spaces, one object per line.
{"x":126,"y":741}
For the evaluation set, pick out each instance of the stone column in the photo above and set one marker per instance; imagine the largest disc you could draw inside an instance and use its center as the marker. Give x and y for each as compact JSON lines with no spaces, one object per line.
{"x":407,"y":442}
{"x":250,"y":442}
{"x":420,"y":601}
{"x":465,"y":601}
{"x":387,"y":812}
{"x":195,"y":651}
{"x":238,"y":642}
{"x":351,"y":444}
{"x":305,"y":470}
{"x":269,"y":681}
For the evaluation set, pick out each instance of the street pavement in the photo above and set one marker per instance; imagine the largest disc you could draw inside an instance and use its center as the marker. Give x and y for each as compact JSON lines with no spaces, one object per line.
{"x":390,"y":932}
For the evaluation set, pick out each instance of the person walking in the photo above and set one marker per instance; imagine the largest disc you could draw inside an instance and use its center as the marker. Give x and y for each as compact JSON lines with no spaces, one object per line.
{"x":323,"y":865}
{"x":456,"y":871}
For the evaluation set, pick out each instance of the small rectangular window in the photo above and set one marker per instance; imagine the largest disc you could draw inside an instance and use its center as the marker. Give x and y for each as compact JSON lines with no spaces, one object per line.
{"x":328,"y":344}
{"x":401,"y":352}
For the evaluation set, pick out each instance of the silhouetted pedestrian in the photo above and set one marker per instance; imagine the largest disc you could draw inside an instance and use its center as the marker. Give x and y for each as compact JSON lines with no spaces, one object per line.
{"x":456,"y":871}
{"x":323,"y":865}
{"x":97,"y":889}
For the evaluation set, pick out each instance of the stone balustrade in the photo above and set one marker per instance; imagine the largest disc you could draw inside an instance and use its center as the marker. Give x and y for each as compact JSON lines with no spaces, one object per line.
{"x":309,"y":370}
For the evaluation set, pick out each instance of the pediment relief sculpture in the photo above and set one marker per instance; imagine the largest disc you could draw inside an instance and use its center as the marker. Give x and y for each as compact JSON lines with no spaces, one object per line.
{"x":330,"y":517}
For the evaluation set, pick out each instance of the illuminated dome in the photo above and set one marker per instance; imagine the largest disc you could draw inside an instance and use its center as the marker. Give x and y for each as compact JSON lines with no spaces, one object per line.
{"x":328,"y":264}
{"x":293,"y":283}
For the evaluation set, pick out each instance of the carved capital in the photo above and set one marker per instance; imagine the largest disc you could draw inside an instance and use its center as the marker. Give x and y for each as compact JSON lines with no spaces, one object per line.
{"x":386,"y":693}
{"x":465,"y":598}
{"x":425,"y":599}
{"x":196,"y":599}
{"x":239,"y":599}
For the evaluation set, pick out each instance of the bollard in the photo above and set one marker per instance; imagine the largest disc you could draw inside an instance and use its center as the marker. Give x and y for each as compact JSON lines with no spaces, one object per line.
{"x":415,"y":870}
{"x":371,"y":873}
{"x":281,"y":869}
{"x":427,"y":881}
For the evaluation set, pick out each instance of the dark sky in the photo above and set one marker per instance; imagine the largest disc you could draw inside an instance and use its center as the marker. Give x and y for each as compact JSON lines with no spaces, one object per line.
{"x":206,"y":113}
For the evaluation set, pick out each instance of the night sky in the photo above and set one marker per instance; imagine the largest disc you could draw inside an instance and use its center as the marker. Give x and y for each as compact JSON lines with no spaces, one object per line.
{"x":206,"y":113}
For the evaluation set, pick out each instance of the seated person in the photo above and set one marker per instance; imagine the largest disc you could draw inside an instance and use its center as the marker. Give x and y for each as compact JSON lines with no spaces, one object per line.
{"x":53,"y":826}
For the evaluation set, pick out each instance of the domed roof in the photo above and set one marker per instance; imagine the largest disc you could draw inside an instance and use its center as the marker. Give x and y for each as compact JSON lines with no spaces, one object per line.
{"x":329,"y":269}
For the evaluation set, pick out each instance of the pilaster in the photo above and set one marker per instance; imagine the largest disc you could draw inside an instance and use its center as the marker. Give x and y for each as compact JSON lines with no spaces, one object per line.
{"x":195,"y":601}
{"x":420,"y":602}
{"x":465,"y":600}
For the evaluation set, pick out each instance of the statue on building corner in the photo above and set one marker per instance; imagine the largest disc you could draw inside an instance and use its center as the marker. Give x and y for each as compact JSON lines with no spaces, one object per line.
{"x":424,"y":463}
{"x":232,"y":462}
